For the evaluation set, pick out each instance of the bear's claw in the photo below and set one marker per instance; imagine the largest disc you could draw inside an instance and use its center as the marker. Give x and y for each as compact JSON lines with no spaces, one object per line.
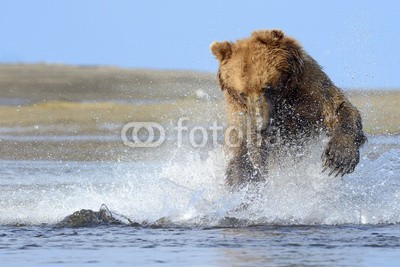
{"x":340,"y":157}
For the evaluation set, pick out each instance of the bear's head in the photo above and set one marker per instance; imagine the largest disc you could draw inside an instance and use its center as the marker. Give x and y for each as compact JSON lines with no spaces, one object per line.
{"x":257,"y":71}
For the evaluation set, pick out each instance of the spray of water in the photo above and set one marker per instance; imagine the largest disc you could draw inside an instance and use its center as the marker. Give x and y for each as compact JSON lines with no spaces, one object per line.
{"x":189,"y":189}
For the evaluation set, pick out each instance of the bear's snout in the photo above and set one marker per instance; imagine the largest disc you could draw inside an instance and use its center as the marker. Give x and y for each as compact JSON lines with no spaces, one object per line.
{"x":258,"y":110}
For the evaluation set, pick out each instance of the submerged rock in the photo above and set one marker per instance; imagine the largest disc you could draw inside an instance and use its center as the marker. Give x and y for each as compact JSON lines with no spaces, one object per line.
{"x":90,"y":218}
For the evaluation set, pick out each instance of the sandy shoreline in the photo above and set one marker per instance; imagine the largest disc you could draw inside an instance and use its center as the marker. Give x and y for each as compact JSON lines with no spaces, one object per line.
{"x":41,"y":82}
{"x":68,"y":101}
{"x":41,"y":94}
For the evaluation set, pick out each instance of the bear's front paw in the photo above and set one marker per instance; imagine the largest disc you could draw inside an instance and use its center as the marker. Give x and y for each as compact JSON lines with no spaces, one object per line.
{"x":341,"y":155}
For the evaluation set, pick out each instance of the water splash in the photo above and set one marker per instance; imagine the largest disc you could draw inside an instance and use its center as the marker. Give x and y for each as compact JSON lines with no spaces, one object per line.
{"x":189,"y":190}
{"x":295,"y":192}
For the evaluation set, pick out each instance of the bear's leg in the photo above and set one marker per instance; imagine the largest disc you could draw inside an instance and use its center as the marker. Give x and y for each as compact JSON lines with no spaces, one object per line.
{"x":240,"y":170}
{"x":342,"y":153}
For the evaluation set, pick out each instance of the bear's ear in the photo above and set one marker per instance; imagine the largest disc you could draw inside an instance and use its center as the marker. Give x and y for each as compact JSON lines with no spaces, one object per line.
{"x":221,"y":50}
{"x":276,"y":35}
{"x":266,"y":37}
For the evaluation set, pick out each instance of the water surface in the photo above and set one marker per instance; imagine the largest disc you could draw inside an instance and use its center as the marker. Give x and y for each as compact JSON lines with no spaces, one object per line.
{"x":297,"y":216}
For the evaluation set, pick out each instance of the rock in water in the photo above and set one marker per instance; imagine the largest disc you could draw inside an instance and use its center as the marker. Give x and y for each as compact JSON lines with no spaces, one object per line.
{"x":89,"y":218}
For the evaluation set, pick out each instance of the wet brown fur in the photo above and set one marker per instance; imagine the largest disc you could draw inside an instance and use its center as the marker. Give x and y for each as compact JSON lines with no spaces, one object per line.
{"x":301,"y":99}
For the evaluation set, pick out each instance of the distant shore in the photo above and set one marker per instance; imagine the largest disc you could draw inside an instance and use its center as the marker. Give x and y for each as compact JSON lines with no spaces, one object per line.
{"x":85,"y":96}
{"x":40,"y":82}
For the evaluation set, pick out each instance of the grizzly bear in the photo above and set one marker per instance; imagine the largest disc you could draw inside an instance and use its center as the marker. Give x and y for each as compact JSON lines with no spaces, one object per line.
{"x":278,"y":98}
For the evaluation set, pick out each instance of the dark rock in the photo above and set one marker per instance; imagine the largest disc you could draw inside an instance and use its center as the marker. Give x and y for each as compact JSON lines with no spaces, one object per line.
{"x":90,"y":218}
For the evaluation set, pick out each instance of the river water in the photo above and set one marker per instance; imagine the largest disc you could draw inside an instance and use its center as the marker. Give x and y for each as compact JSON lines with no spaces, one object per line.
{"x":188,"y":218}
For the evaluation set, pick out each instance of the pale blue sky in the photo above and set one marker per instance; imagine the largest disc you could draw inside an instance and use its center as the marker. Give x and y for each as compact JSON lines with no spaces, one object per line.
{"x":357,"y":42}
